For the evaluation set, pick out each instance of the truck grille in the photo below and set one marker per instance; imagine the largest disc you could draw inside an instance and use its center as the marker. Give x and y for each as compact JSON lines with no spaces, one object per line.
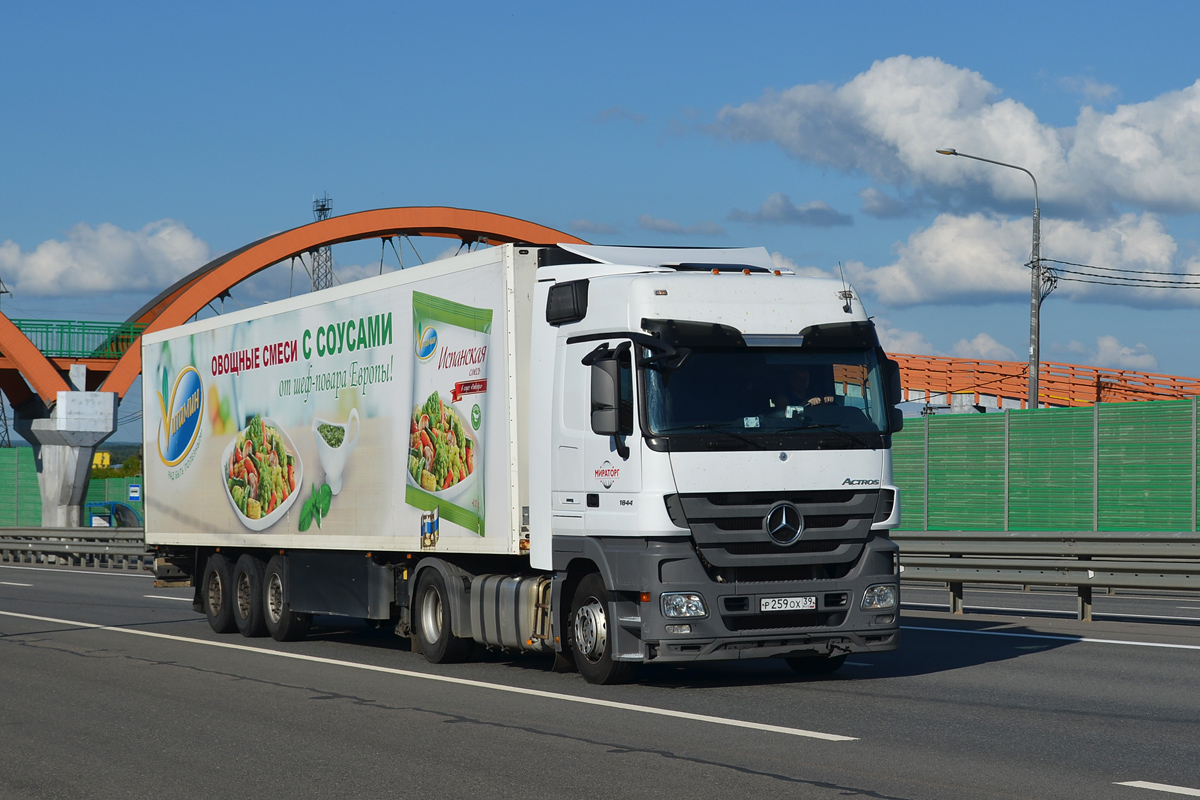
{"x":729,"y":528}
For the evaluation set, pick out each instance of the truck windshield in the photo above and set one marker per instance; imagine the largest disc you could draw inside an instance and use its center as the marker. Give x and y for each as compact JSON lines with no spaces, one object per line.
{"x":773,"y":391}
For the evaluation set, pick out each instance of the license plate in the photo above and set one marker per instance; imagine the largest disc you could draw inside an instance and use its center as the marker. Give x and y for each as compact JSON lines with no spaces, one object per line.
{"x":787,"y":603}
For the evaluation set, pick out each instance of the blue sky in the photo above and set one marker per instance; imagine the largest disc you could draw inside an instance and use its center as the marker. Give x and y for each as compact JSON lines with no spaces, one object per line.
{"x":141,"y":140}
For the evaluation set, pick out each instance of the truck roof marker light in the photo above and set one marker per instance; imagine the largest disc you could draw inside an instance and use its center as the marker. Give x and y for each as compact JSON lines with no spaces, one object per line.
{"x":646,"y":597}
{"x":745,"y":272}
{"x":660,"y":292}
{"x":778,"y":272}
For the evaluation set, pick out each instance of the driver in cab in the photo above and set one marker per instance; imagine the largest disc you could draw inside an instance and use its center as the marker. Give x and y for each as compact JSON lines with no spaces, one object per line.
{"x":794,"y":395}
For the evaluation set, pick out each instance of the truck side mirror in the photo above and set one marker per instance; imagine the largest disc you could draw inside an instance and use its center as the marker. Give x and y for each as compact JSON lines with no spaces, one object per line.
{"x":895,"y":419}
{"x":606,"y":394}
{"x":895,"y":393}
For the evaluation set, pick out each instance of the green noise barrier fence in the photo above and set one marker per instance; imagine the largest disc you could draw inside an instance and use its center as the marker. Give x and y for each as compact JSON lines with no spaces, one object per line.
{"x":21,"y":498}
{"x":1111,"y":467}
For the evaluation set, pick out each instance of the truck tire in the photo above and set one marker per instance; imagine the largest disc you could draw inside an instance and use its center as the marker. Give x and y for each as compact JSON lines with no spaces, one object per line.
{"x":248,"y":596}
{"x":216,"y":593}
{"x":283,"y":624}
{"x":592,"y":636}
{"x":816,"y":665}
{"x":431,"y":613}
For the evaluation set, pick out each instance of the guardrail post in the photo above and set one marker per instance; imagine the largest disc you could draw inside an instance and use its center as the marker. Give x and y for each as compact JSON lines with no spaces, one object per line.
{"x":956,"y":598}
{"x":1085,"y":604}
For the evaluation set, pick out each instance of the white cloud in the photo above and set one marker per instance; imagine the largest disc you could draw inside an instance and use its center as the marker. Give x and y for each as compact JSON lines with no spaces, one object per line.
{"x":780,"y":210}
{"x":104,"y":259}
{"x":888,"y":121}
{"x":983,"y":347}
{"x":981,"y":258}
{"x":670,"y":226}
{"x":974,"y":259}
{"x":895,"y":340}
{"x":1109,"y":352}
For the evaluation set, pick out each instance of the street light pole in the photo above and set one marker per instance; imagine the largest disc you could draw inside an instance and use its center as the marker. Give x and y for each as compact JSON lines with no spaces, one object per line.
{"x":1035,"y":291}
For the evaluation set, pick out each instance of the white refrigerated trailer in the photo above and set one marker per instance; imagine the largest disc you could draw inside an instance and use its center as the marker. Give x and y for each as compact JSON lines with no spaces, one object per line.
{"x":618,"y":455}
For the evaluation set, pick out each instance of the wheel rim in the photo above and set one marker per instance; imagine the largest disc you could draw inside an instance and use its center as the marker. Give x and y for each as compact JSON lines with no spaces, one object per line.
{"x":591,"y":630}
{"x":216,"y":594}
{"x":275,"y":598}
{"x":431,"y":615}
{"x":244,"y":596}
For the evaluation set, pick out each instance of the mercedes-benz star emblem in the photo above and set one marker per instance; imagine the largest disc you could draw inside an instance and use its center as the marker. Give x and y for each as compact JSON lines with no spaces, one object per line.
{"x":784,"y":524}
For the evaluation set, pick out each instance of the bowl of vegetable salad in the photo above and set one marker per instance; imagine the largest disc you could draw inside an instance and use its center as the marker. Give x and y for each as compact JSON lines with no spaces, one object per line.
{"x":261,"y":473}
{"x":441,"y":452}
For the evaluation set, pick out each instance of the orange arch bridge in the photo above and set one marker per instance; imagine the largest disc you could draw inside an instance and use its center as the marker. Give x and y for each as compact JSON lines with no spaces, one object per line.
{"x":26,"y":372}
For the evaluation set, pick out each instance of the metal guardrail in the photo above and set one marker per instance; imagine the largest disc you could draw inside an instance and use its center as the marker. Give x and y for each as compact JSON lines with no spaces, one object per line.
{"x":59,"y":338}
{"x":105,"y":548}
{"x":1085,"y":560}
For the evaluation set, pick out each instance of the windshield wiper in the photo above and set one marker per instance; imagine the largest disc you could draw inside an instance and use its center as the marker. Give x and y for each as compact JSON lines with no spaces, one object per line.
{"x":836,"y":429}
{"x":708,"y":426}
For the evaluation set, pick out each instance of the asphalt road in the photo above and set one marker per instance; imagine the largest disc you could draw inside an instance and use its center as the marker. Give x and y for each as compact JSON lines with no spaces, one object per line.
{"x":112,"y":688}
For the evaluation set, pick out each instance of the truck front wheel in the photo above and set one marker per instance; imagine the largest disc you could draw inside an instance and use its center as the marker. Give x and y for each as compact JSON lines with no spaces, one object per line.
{"x":283,"y":624}
{"x":592,"y":635}
{"x":217,"y":593}
{"x":434,"y":631}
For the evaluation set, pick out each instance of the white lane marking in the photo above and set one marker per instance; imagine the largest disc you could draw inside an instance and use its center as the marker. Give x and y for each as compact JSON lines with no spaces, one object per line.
{"x":1161,"y":787}
{"x":9,"y":583}
{"x":1087,"y":639}
{"x":569,"y":698}
{"x":166,"y":597}
{"x":80,"y":571}
{"x":1057,"y":612}
{"x":1188,"y":608}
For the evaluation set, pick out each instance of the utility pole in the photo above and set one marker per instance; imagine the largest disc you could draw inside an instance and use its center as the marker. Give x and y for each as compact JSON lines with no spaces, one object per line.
{"x":1042,"y":282}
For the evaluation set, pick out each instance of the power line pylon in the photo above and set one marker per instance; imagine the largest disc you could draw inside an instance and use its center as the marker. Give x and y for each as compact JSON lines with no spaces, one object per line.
{"x":322,"y":257}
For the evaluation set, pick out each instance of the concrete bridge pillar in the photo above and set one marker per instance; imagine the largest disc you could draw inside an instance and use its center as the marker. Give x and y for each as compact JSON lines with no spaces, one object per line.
{"x":64,"y":437}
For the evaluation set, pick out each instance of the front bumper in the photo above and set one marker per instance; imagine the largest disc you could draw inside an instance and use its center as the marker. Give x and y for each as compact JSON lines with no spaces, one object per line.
{"x":736,"y":628}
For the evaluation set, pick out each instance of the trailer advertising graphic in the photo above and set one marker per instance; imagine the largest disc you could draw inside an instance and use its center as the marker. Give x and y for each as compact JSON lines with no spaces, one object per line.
{"x":334,"y":420}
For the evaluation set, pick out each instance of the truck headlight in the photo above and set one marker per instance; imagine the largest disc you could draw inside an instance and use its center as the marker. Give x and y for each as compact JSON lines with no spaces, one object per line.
{"x":879,"y":597}
{"x":678,"y":605}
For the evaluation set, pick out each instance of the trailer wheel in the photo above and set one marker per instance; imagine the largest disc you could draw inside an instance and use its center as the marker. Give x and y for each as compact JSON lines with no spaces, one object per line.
{"x":283,"y":624}
{"x":816,"y":665}
{"x":216,"y":593}
{"x":248,"y":596}
{"x":433,"y":629}
{"x":592,"y":637}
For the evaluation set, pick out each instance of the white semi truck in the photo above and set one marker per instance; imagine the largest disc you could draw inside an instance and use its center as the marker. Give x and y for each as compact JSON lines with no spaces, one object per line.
{"x":617,"y":455}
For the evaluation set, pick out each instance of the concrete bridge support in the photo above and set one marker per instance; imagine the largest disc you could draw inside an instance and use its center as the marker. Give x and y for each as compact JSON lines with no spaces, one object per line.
{"x":64,"y":437}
